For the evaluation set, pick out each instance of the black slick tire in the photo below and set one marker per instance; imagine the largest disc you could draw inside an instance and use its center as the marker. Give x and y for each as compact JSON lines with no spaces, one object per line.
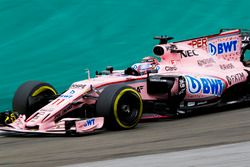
{"x":23,"y":100}
{"x":121,"y":106}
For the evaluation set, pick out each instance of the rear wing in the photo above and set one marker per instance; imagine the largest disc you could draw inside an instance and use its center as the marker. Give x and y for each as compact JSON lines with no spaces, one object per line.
{"x":245,"y":35}
{"x":243,"y":30}
{"x":228,"y":44}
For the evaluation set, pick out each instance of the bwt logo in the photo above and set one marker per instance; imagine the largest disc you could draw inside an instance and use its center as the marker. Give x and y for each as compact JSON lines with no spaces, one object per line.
{"x":223,"y":47}
{"x":89,"y":122}
{"x":204,"y":85}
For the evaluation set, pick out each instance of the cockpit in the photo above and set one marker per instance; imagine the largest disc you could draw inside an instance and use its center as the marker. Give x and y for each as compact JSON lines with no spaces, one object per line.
{"x":147,"y":65}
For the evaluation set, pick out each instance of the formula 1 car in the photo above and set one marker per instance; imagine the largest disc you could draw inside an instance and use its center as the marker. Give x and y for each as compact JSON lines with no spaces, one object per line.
{"x":191,"y":74}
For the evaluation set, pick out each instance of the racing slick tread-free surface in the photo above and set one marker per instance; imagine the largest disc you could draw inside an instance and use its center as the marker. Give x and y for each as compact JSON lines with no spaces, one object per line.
{"x":21,"y":98}
{"x":148,"y":138}
{"x":108,"y":106}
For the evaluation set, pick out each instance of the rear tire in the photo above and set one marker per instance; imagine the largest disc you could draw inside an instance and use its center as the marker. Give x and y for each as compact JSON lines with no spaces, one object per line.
{"x":121,"y":106}
{"x":31,"y":96}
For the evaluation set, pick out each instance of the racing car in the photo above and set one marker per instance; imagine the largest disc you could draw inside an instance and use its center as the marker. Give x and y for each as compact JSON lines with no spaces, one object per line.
{"x":183,"y":76}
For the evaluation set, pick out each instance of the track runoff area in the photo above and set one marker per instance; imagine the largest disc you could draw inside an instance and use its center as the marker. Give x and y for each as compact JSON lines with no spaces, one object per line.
{"x":219,"y":155}
{"x":230,"y":155}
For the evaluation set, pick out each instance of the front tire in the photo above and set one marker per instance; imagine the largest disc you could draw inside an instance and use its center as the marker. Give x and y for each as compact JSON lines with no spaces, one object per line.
{"x":31,"y":96}
{"x":121,"y":106}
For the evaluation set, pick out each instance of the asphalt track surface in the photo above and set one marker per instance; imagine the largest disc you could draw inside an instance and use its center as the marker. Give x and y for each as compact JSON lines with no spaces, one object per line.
{"x":229,"y":155}
{"x":148,"y":138}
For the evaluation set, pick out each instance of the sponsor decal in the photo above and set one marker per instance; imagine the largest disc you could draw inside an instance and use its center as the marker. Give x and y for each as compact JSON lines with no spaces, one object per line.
{"x":89,"y":122}
{"x":46,"y":109}
{"x":169,"y":68}
{"x":134,"y":67}
{"x":171,"y":47}
{"x":78,"y":86}
{"x":226,"y":66}
{"x":139,"y":89}
{"x":67,"y":96}
{"x":72,"y":92}
{"x":157,"y":68}
{"x":182,"y":83}
{"x":182,"y":86}
{"x":246,"y":39}
{"x":206,"y":62}
{"x":173,"y":62}
{"x":198,"y":43}
{"x":188,"y":53}
{"x":62,"y":98}
{"x":205,"y":85}
{"x":232,"y":79}
{"x":222,"y":47}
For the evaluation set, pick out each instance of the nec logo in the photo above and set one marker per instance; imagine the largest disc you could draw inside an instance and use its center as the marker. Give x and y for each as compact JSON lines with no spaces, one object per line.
{"x":223,"y":47}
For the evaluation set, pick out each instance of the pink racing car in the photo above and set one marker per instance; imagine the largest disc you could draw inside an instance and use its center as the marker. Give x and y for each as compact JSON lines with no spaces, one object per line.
{"x":196,"y":73}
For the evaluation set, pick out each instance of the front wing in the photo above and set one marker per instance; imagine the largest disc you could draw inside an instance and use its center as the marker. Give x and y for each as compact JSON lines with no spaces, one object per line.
{"x":65,"y":126}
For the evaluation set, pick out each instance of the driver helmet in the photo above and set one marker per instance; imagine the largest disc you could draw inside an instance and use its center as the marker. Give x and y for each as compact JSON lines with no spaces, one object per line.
{"x":150,"y":59}
{"x":147,"y":63}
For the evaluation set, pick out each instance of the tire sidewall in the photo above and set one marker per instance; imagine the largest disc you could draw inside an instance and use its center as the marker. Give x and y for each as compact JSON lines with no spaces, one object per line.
{"x":107,"y":106}
{"x":20,"y":101}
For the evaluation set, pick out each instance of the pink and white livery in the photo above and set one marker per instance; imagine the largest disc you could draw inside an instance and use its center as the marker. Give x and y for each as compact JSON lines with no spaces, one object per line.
{"x":190,"y":74}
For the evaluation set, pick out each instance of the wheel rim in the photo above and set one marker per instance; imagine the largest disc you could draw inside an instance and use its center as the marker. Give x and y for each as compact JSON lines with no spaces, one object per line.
{"x":39,"y":93}
{"x":128,"y":109}
{"x":44,"y":89}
